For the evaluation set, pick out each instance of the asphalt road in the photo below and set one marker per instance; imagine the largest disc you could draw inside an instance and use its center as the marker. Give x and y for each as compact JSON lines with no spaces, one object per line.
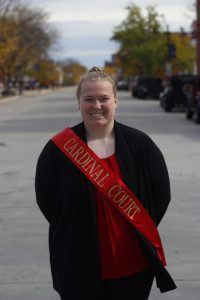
{"x":25,"y":126}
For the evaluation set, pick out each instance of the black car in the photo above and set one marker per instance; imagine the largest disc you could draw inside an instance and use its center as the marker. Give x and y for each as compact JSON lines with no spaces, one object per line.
{"x":193,"y":104}
{"x":122,"y":85}
{"x":144,"y":87}
{"x":176,"y":94}
{"x":197,"y":109}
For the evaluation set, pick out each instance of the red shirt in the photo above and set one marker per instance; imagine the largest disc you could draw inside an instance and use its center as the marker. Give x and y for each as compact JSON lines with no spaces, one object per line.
{"x":120,"y":249}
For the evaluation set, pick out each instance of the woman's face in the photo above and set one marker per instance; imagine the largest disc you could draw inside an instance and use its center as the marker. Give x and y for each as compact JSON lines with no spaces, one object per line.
{"x":97,"y":104}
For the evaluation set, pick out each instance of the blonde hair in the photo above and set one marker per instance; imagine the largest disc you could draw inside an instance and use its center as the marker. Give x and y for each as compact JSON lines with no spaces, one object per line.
{"x":95,"y":73}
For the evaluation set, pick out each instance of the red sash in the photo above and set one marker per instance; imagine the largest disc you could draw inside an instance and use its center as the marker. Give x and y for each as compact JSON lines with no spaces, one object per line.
{"x":112,"y":187}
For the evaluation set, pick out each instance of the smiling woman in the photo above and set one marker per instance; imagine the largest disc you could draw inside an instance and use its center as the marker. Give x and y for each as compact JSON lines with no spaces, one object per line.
{"x":103,"y":187}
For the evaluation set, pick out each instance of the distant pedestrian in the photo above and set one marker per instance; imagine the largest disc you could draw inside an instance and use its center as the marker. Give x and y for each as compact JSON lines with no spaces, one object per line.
{"x":103,"y":187}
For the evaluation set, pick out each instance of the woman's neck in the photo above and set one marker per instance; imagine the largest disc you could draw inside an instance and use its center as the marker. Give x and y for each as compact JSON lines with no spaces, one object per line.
{"x":101,"y":142}
{"x":100,"y":133}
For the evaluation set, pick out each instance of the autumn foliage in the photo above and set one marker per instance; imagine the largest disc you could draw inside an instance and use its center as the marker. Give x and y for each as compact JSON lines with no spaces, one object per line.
{"x":25,"y":39}
{"x":143,"y":44}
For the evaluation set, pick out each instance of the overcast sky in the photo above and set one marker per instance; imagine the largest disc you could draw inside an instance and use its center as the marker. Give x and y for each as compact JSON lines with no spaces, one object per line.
{"x":86,"y":26}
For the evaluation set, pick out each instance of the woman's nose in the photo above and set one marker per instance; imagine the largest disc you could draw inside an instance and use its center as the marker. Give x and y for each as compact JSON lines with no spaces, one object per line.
{"x":97,"y":104}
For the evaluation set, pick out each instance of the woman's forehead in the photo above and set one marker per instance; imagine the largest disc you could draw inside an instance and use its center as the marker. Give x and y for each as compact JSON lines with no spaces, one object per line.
{"x":92,"y":86}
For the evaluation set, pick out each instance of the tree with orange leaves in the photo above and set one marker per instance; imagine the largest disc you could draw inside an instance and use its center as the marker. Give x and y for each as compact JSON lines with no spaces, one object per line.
{"x":25,"y":38}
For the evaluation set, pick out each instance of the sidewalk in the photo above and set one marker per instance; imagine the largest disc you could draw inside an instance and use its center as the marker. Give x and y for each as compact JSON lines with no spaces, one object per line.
{"x":31,"y":93}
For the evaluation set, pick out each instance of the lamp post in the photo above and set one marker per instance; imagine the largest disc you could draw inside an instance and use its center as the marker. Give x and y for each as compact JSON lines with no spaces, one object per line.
{"x":168,"y":65}
{"x":171,"y":53}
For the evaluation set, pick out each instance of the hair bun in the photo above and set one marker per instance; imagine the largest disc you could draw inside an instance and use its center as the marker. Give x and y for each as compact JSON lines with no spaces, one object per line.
{"x":95,"y":69}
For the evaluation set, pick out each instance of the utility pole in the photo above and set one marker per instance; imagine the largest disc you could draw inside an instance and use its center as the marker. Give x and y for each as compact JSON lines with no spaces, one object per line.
{"x":198,"y":36}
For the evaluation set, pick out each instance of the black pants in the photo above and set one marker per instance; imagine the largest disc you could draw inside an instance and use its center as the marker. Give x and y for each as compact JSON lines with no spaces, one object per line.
{"x":135,"y":287}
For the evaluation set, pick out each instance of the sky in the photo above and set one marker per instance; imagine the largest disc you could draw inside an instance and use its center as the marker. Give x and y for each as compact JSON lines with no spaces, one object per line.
{"x":86,"y":26}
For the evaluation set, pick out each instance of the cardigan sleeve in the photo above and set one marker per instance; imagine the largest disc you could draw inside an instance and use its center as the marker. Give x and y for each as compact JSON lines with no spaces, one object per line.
{"x":160,"y":184}
{"x":45,"y":183}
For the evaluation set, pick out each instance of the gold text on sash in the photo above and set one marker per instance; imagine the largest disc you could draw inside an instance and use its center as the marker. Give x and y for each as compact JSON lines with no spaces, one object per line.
{"x":88,"y":163}
{"x":123,"y":200}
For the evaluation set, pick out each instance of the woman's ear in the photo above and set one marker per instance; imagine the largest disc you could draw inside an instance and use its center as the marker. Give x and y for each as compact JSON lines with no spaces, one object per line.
{"x":116,"y":102}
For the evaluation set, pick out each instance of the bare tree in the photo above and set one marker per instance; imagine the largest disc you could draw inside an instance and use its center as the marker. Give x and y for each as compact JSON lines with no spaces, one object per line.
{"x":6,"y":6}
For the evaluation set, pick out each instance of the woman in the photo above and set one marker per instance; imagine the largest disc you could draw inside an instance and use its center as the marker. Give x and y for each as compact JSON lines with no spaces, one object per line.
{"x":83,"y":174}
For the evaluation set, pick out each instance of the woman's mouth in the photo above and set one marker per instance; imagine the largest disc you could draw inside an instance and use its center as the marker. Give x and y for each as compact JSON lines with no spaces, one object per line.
{"x":96,"y":114}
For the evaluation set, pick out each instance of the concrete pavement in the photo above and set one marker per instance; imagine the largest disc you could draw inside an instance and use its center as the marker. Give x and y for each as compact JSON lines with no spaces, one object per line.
{"x":25,"y":126}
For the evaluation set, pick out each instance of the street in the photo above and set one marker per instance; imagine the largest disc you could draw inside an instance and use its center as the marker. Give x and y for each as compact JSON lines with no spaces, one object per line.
{"x":26,"y":124}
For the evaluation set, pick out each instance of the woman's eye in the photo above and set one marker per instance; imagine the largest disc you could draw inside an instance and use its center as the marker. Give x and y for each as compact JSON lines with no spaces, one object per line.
{"x":104,"y":99}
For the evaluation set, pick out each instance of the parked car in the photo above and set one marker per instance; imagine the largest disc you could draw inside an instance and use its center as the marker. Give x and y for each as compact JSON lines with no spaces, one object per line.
{"x":197,"y":109}
{"x":193,"y":105}
{"x":122,"y":85}
{"x":177,"y":92}
{"x":144,"y":87}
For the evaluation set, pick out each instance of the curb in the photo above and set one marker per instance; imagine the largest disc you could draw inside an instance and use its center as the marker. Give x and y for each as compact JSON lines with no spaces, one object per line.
{"x":32,"y":93}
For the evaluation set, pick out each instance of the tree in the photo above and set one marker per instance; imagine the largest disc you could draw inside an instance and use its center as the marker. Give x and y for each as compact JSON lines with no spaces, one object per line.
{"x":72,"y":71}
{"x":8,"y":39}
{"x":142,"y":43}
{"x":184,"y":60}
{"x":45,"y":72}
{"x":25,"y":38}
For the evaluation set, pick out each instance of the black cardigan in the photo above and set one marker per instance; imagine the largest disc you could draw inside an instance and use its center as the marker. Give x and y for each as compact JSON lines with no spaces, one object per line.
{"x":65,"y":197}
